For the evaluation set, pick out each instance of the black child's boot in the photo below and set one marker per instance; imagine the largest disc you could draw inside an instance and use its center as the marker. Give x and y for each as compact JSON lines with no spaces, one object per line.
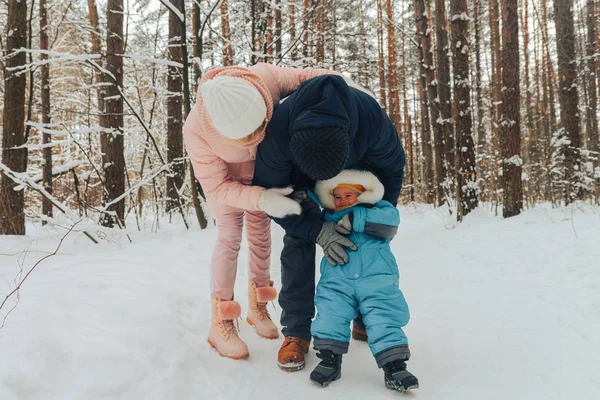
{"x":398,"y":378}
{"x":329,"y":369}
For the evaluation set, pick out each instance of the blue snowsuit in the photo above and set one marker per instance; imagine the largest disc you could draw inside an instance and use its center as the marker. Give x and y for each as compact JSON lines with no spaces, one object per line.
{"x":367,"y":283}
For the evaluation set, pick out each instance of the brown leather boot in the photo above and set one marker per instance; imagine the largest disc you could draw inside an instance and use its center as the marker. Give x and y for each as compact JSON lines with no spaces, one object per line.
{"x":291,"y":354}
{"x":258,"y":316}
{"x":359,"y":331}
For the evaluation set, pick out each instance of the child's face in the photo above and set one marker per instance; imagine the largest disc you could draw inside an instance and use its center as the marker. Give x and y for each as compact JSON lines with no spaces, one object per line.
{"x":344,"y":197}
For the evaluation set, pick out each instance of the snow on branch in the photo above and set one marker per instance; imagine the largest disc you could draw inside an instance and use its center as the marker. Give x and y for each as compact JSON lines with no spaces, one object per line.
{"x":57,"y":57}
{"x":22,"y":179}
{"x":174,"y":10}
{"x":56,"y":171}
{"x":168,"y":63}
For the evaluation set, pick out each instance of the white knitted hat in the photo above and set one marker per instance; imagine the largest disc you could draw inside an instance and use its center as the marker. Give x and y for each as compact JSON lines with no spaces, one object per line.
{"x":236,"y":108}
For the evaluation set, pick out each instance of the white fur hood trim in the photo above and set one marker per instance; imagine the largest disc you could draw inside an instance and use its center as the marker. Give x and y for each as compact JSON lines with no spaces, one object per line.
{"x":373,"y":194}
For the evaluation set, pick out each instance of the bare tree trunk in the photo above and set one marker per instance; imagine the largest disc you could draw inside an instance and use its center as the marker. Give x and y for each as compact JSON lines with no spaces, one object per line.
{"x":364,"y":65}
{"x":466,"y":175}
{"x":269,"y":33}
{"x":97,"y":49}
{"x":510,"y":129}
{"x":380,"y":60}
{"x":320,"y":58}
{"x":198,"y":42}
{"x":112,"y":141}
{"x":568,"y":94}
{"x":549,"y":71}
{"x":278,"y":29}
{"x":333,"y":50}
{"x":45,"y":96}
{"x":174,"y":109}
{"x":423,"y":30}
{"x":478,"y":98}
{"x":394,"y":96}
{"x":225,"y":31}
{"x":305,"y":21}
{"x":530,"y":132}
{"x":428,"y":177}
{"x":12,"y":202}
{"x":407,"y":122}
{"x":592,"y":107}
{"x":294,"y":51}
{"x":443,"y":80}
{"x":195,"y":186}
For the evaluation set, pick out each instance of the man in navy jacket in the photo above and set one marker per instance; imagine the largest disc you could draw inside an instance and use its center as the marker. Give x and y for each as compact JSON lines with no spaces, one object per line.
{"x":323,"y":127}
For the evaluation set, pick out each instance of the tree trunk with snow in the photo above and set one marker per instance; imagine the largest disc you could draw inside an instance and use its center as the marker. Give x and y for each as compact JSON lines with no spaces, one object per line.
{"x":380,"y":60}
{"x":174,"y":110}
{"x":112,"y":141}
{"x":294,"y":49}
{"x":443,"y":84}
{"x":424,"y":32}
{"x":226,"y":34}
{"x":466,"y":175}
{"x":45,"y":97}
{"x":510,"y":128}
{"x":12,"y":203}
{"x":568,"y":95}
{"x":592,"y":107}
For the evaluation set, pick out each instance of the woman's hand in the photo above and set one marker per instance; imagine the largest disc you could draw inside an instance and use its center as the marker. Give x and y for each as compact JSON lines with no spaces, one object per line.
{"x":275,"y":203}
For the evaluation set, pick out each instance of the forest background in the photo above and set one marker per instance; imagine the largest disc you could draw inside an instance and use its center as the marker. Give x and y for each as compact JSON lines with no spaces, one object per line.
{"x":495,"y":101}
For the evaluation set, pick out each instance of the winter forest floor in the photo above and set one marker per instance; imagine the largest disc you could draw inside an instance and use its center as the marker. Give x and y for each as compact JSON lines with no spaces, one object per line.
{"x":501,"y":309}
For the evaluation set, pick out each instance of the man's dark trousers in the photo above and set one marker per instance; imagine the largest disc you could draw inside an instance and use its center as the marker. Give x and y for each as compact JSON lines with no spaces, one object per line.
{"x":297,"y":297}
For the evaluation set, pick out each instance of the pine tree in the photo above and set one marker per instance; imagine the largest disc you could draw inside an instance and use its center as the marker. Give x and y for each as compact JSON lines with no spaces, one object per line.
{"x":174,"y":107}
{"x":465,"y":151}
{"x":510,"y":128}
{"x":45,"y":97}
{"x":568,"y":95}
{"x":12,"y":203}
{"x":112,"y":141}
{"x":424,"y":32}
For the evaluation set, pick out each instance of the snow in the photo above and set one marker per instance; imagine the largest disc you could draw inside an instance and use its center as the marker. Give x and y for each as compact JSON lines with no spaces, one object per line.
{"x":501,"y":309}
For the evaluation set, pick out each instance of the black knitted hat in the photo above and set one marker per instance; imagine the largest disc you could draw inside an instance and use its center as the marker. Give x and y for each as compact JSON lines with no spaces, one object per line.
{"x":321,"y":153}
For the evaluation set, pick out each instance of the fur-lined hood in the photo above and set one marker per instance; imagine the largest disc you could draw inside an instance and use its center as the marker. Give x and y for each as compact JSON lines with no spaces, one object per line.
{"x":373,"y":194}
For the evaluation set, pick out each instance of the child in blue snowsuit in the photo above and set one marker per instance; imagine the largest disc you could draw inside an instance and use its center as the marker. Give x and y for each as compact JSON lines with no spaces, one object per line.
{"x":367,"y":283}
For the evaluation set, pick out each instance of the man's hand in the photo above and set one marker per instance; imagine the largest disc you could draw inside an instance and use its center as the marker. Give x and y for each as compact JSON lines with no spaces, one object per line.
{"x":333,"y":243}
{"x":275,"y":203}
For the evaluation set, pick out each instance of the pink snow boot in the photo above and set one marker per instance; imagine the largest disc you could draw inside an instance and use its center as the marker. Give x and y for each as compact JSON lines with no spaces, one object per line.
{"x":258,"y":297}
{"x":222,"y":335}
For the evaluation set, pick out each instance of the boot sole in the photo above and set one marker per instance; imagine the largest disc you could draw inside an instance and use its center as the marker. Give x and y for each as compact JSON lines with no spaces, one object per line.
{"x":400,"y":388}
{"x":262,"y":336}
{"x":325,"y":384}
{"x":291,"y":367}
{"x":240,"y":357}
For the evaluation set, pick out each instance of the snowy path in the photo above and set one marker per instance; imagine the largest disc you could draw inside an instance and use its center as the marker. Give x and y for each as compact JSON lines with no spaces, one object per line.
{"x":501,"y":309}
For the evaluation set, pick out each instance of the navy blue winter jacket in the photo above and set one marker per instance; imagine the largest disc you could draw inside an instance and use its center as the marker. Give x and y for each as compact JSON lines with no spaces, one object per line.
{"x":320,"y":102}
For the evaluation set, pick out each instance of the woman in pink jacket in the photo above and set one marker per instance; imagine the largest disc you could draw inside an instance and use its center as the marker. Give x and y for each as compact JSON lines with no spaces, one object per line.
{"x":222,"y":132}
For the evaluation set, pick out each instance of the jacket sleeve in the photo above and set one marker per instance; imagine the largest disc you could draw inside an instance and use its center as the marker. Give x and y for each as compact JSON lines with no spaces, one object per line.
{"x":273,"y":169}
{"x":211,"y":171}
{"x":386,"y":157}
{"x":288,"y":79}
{"x":380,"y":221}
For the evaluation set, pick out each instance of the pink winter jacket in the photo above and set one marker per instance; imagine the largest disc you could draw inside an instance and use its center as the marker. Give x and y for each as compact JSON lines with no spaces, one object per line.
{"x":225,"y":167}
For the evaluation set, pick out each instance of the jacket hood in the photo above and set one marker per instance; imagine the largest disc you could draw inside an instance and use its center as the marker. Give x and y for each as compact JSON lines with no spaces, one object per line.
{"x":324,"y":101}
{"x":373,"y":194}
{"x":238,"y":72}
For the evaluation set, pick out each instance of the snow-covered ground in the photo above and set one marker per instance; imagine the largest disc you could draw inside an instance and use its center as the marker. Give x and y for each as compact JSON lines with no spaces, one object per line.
{"x":501,"y":309}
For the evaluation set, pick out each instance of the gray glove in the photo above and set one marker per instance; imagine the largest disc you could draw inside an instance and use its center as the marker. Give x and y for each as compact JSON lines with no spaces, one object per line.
{"x":346,"y":221}
{"x":331,"y":240}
